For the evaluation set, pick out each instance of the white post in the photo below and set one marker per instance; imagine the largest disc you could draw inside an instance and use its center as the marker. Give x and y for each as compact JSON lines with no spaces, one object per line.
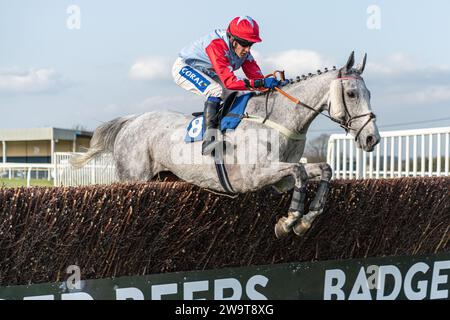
{"x":352,"y":147}
{"x":430,"y":156}
{"x":359,"y":169}
{"x":53,"y":159}
{"x":338,"y":159}
{"x":399,"y":155}
{"x":392,"y":156}
{"x":364,"y":164}
{"x":377,"y":162}
{"x":438,"y":153}
{"x":385,"y":158}
{"x":422,"y":151}
{"x":29,"y":176}
{"x":371,"y":165}
{"x":415,"y":156}
{"x":344,"y":159}
{"x":447,"y":156}
{"x":407,"y":158}
{"x":52,"y":151}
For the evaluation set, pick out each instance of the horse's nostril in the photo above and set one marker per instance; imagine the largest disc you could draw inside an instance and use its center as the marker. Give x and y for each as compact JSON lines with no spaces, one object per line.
{"x":370,"y":140}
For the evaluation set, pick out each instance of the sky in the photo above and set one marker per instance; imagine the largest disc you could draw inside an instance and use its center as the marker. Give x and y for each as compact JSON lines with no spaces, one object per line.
{"x":81,"y":63}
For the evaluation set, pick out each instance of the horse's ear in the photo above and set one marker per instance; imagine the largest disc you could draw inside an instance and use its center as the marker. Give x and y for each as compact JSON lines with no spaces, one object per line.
{"x":360,"y":68}
{"x":350,"y":62}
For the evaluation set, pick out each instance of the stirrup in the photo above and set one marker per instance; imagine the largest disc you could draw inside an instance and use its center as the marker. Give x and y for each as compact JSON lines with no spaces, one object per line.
{"x":208,"y":147}
{"x":211,"y":146}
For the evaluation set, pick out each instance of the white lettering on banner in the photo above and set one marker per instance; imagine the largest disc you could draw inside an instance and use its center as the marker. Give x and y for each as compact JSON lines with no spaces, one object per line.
{"x":195,"y":286}
{"x":335,"y":280}
{"x":421,"y":285}
{"x":382,"y":273}
{"x":416,"y":280}
{"x":129,"y":294}
{"x":331,"y":289}
{"x":76,"y":296}
{"x":360,"y":290}
{"x":43,"y":297}
{"x":439,"y":279}
{"x":221,"y":284}
{"x":252,"y":294}
{"x":163,"y":289}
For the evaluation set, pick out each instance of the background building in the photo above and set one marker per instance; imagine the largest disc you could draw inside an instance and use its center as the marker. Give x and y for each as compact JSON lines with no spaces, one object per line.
{"x":37,"y":145}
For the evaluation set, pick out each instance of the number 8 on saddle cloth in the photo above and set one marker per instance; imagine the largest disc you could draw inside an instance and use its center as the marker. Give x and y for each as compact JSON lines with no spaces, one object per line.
{"x":233,"y":108}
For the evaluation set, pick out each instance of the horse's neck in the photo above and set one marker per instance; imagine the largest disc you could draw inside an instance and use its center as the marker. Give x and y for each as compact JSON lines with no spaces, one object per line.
{"x":312,"y":92}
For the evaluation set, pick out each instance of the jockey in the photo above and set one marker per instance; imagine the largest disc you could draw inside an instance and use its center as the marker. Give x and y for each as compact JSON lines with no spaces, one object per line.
{"x":206,"y":67}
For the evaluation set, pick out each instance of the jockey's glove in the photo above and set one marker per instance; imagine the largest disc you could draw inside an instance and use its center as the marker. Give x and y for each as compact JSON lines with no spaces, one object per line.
{"x":268,"y":83}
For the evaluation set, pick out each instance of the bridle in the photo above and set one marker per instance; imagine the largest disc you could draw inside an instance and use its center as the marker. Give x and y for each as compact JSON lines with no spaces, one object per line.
{"x":345,"y":124}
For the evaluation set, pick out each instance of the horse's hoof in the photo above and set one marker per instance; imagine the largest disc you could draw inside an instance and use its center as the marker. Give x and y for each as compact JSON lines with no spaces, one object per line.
{"x":280,"y":228}
{"x":301,"y":227}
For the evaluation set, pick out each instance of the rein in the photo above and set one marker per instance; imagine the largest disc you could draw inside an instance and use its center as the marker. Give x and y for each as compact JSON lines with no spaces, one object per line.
{"x":346,"y":125}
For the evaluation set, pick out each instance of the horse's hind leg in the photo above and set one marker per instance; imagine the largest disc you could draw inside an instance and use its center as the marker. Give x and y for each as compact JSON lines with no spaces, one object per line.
{"x":316,"y":208}
{"x":134,"y":164}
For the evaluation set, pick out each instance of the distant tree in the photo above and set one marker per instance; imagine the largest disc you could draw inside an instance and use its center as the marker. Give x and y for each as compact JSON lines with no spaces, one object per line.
{"x":316,"y":149}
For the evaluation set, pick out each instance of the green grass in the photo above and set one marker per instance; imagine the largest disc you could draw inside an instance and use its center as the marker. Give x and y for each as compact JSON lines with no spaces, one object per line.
{"x":15,"y":183}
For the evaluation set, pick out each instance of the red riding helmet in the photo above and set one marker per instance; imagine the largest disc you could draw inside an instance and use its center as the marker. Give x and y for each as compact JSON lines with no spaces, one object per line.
{"x":245,"y":28}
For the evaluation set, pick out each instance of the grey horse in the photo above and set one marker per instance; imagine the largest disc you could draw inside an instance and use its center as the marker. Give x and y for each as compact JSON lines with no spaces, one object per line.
{"x":267,"y":145}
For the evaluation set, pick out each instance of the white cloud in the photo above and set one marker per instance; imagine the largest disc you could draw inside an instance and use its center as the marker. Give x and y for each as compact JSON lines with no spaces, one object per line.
{"x":425,"y":95}
{"x":294,"y":62}
{"x":400,"y":64}
{"x":409,"y":81}
{"x":186,"y":104}
{"x":151,"y":68}
{"x":178,"y":103}
{"x":405,"y":80}
{"x":34,"y":80}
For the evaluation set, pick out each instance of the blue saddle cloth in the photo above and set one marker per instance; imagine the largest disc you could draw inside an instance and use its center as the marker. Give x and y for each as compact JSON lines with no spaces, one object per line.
{"x":195,"y":130}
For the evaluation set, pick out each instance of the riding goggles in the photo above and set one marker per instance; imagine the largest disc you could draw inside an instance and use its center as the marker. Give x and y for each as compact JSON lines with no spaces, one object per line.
{"x":244,"y":43}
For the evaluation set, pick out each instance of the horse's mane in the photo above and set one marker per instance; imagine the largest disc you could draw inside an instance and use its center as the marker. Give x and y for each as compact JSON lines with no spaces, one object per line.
{"x":303,"y":77}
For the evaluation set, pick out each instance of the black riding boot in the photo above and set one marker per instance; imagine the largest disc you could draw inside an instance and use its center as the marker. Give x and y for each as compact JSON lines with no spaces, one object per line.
{"x":211,"y":139}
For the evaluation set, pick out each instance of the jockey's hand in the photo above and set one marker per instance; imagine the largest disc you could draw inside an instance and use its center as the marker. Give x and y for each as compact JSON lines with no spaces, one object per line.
{"x":271,"y":83}
{"x":268,"y":83}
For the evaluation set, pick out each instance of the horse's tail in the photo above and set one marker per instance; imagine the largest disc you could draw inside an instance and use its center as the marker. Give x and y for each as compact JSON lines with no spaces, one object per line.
{"x":102,"y":141}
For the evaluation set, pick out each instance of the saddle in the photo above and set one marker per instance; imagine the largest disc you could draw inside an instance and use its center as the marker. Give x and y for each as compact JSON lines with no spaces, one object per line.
{"x":229,"y":116}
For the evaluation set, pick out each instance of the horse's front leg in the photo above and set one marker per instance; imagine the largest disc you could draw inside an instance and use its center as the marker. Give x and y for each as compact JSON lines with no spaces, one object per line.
{"x":316,"y":208}
{"x":297,"y":207}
